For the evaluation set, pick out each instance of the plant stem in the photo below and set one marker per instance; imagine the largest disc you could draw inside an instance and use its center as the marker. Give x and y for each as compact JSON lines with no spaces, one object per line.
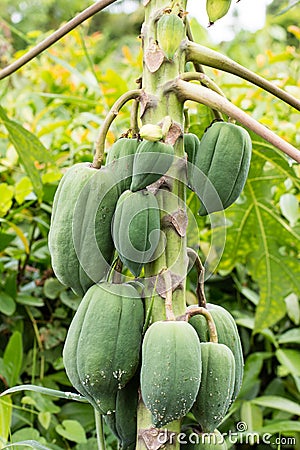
{"x":193,"y":311}
{"x":54,"y":37}
{"x":100,"y":141}
{"x":99,"y":430}
{"x":200,"y":280}
{"x":190,"y":91}
{"x":203,"y":55}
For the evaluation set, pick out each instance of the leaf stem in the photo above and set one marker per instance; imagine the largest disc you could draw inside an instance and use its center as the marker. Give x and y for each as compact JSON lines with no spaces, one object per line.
{"x":203,"y":55}
{"x":190,"y":91}
{"x":54,"y":37}
{"x":100,"y":141}
{"x":99,"y":430}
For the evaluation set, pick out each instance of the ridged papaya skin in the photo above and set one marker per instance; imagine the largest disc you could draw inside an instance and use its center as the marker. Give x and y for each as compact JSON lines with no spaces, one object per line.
{"x":151,"y":161}
{"x":191,"y":144}
{"x":216,"y":387}
{"x":79,"y":239}
{"x":120,"y":160}
{"x":123,"y":422}
{"x":227,"y":334}
{"x":170,"y":33}
{"x":223,"y":162}
{"x":102,"y":347}
{"x":135,"y":228}
{"x":205,"y":441}
{"x":171,"y":370}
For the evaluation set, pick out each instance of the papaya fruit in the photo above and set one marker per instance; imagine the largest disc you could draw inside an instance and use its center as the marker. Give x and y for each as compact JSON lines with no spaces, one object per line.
{"x":79,"y":239}
{"x":221,"y":166}
{"x":102,"y":348}
{"x":151,"y":161}
{"x":120,"y":160}
{"x":136,"y":228}
{"x":171,"y":370}
{"x":216,"y":387}
{"x":216,"y":9}
{"x":204,"y":441}
{"x":123,"y":422}
{"x":191,"y":147}
{"x":170,"y":33}
{"x":227,"y":334}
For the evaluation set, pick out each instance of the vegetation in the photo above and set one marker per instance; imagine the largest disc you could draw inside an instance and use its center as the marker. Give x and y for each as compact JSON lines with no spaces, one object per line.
{"x":50,"y":115}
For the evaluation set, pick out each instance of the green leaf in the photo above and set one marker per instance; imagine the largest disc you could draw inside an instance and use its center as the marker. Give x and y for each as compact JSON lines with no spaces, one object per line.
{"x":7,"y":304}
{"x":252,"y":416}
{"x":290,"y":336}
{"x":12,"y":358}
{"x":252,"y":369}
{"x":5,"y":418}
{"x":276,"y":402}
{"x":5,"y":240}
{"x":6,"y":196}
{"x":258,"y":235}
{"x":72,"y":430}
{"x":293,"y":309}
{"x":22,"y":189}
{"x":290,"y":359}
{"x":283,"y":426}
{"x":44,"y":418}
{"x":290,"y":208}
{"x":29,"y":149}
{"x":52,"y":288}
{"x":29,"y":300}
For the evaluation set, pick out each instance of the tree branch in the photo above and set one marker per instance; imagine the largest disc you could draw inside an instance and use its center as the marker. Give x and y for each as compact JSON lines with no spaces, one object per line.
{"x":54,"y":37}
{"x":206,"y":56}
{"x":198,"y":93}
{"x":100,"y":141}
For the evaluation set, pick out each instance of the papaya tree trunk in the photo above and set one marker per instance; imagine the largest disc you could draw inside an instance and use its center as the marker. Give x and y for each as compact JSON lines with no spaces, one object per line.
{"x":166,"y":274}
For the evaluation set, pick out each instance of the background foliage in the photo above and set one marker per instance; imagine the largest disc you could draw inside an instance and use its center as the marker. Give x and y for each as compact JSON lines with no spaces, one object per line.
{"x":49,"y":116}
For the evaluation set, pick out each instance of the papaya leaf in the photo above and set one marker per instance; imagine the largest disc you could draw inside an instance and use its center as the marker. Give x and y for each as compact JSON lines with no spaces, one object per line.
{"x":12,"y":358}
{"x":5,"y":418}
{"x":29,"y":148}
{"x":259,"y":235}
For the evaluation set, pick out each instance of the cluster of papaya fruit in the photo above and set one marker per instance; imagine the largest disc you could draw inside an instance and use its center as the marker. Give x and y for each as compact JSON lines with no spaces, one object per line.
{"x":97,"y":212}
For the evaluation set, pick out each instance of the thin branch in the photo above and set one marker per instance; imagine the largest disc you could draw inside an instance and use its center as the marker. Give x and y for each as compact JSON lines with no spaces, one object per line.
{"x":211,"y":58}
{"x":100,"y":141}
{"x":54,"y":37}
{"x":200,"y":94}
{"x":204,"y":80}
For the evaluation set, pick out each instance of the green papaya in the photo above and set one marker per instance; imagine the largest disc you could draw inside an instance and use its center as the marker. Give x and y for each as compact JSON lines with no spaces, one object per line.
{"x":216,"y":9}
{"x":170,"y":33}
{"x":136,"y":228}
{"x":191,"y":147}
{"x":221,"y":166}
{"x":123,"y":422}
{"x":227,"y":334}
{"x":102,"y":348}
{"x":171,"y":370}
{"x":217,"y":384}
{"x":120,"y":160}
{"x":151,"y":161}
{"x":79,"y":240}
{"x":204,"y":441}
